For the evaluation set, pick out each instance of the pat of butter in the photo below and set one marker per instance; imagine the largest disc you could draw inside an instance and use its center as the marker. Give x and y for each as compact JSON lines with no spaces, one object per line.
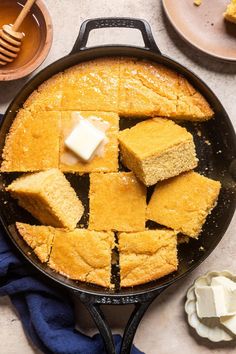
{"x":229,"y":322}
{"x":84,"y":139}
{"x":210,"y":301}
{"x":229,"y":293}
{"x":218,"y":299}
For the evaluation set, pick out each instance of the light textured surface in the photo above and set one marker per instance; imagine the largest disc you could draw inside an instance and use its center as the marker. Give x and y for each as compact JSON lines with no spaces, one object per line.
{"x":164,"y":329}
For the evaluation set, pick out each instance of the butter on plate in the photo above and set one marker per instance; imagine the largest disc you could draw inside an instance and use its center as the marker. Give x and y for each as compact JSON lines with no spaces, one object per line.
{"x":85,"y":139}
{"x":218,"y":300}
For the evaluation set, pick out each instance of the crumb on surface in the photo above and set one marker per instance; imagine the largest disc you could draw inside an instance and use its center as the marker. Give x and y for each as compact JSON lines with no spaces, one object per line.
{"x":197,"y":2}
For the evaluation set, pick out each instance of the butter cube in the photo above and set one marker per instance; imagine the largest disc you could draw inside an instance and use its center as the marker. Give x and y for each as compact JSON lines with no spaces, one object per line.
{"x":218,"y":299}
{"x":84,"y":139}
{"x":229,"y":322}
{"x":210,"y":301}
{"x":229,"y":293}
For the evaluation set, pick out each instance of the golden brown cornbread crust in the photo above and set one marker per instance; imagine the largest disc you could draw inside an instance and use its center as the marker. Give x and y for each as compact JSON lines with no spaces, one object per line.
{"x":146,"y":256}
{"x":49,"y":197}
{"x":117,"y":202}
{"x":148,"y":89}
{"x":127,"y":86}
{"x":183,"y":202}
{"x":79,"y":254}
{"x":39,"y":238}
{"x":36,"y":142}
{"x":32,"y":143}
{"x":124,"y":86}
{"x":157,"y":149}
{"x":230,"y":13}
{"x":83,"y":255}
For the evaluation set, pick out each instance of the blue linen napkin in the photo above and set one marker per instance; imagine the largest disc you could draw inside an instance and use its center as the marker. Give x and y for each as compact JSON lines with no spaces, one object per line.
{"x":47,"y":315}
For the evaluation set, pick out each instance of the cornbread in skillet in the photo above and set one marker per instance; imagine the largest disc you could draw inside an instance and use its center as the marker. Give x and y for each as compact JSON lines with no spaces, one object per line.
{"x":230,"y":13}
{"x":40,"y":238}
{"x":92,"y":85}
{"x":47,"y":97}
{"x":117,"y":202}
{"x":32,"y":143}
{"x":149,"y":90}
{"x":183,"y":202}
{"x":107,"y":160}
{"x":83,"y":255}
{"x":127,"y":86}
{"x":49,"y":197}
{"x":157,"y":149}
{"x":146,"y":256}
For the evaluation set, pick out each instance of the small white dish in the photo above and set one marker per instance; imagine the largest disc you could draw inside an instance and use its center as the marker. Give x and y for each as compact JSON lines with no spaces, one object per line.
{"x":210,"y":328}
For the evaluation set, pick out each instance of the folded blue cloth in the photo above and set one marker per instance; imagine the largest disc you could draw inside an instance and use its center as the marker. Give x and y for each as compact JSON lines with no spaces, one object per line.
{"x":47,"y":315}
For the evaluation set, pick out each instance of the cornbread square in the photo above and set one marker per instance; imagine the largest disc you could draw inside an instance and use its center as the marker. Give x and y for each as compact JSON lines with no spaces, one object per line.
{"x":49,"y":197}
{"x":39,"y":238}
{"x":149,"y":89}
{"x":92,"y":85}
{"x":83,"y":255}
{"x":157,"y":149}
{"x":32,"y":143}
{"x":230,"y":13}
{"x":146,"y":256}
{"x":47,"y":97}
{"x":107,"y":161}
{"x":117,"y":202}
{"x":183,"y":202}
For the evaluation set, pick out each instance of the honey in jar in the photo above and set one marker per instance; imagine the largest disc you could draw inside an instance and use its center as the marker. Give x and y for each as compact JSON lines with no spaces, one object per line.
{"x":9,"y":10}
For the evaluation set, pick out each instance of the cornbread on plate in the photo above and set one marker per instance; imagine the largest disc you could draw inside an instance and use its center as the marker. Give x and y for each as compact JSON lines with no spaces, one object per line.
{"x":183,"y":202}
{"x":157,"y":149}
{"x":230,"y":13}
{"x":117,"y":202}
{"x":107,"y":160}
{"x":47,"y":97}
{"x":49,"y":197}
{"x":150,"y":89}
{"x":83,"y":255}
{"x":92,"y":85}
{"x":40,"y":238}
{"x":146,"y":256}
{"x":32,"y":143}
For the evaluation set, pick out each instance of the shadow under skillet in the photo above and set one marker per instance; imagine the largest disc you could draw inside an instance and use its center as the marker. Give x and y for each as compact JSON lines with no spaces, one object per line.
{"x":202,"y":59}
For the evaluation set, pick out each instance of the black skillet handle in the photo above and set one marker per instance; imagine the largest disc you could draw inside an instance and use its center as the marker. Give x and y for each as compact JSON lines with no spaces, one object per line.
{"x":141,"y":304}
{"x":124,"y":22}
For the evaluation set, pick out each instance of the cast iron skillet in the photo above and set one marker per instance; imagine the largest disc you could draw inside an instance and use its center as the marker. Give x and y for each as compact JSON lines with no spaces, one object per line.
{"x":216,"y":148}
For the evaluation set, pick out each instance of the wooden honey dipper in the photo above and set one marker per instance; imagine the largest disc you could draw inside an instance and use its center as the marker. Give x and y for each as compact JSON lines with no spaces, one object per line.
{"x":10,"y":39}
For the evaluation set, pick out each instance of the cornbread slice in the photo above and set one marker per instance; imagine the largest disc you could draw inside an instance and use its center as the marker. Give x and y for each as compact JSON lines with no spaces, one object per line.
{"x":92,"y":85}
{"x":183,"y":202}
{"x":230,"y":13}
{"x":150,"y":89}
{"x":49,"y":197}
{"x":107,"y":161}
{"x":40,"y":238}
{"x":83,"y":255}
{"x":32,"y":143}
{"x":146,"y":256}
{"x":117,"y":202}
{"x":47,"y":97}
{"x":157,"y":149}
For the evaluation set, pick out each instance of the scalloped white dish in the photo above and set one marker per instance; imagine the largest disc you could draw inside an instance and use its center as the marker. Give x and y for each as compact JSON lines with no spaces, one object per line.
{"x":210,"y":328}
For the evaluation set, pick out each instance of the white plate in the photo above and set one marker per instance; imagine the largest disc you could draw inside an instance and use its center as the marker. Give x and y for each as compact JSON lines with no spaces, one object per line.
{"x":210,"y":328}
